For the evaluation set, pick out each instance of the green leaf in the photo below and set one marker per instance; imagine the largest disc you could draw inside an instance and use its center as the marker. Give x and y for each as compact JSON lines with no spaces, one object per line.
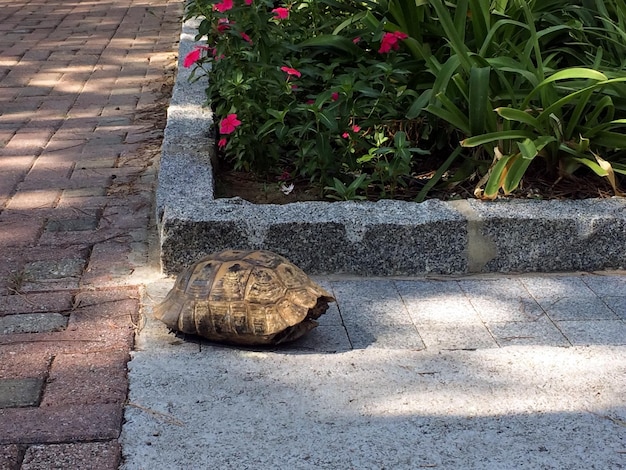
{"x":517,"y":170}
{"x":496,"y":178}
{"x":574,"y":73}
{"x":328,"y":119}
{"x":494,"y":136}
{"x":593,"y":166}
{"x":527,"y":148}
{"x":478,"y":99}
{"x":418,"y":105}
{"x":511,"y":114}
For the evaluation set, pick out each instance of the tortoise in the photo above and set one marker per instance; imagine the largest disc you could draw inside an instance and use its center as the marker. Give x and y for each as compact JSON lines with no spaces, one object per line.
{"x":244,"y":297}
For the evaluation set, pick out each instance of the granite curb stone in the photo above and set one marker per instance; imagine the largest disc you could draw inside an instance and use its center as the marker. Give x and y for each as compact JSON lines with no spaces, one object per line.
{"x":366,"y":238}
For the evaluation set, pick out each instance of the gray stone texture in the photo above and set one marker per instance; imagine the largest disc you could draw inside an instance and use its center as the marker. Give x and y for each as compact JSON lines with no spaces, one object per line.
{"x":383,"y":238}
{"x":32,"y":323}
{"x":15,"y":393}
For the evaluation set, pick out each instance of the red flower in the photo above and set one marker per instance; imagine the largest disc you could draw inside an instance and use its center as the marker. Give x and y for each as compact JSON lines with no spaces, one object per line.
{"x":248,"y":2}
{"x":281,"y":13}
{"x":334,"y":96}
{"x":194,"y":56}
{"x":229,"y":124}
{"x":290,"y":71}
{"x":225,"y":5}
{"x":390,"y":41}
{"x":191,"y":58}
{"x":221,"y":143}
{"x":354,"y":128}
{"x":246,"y":37}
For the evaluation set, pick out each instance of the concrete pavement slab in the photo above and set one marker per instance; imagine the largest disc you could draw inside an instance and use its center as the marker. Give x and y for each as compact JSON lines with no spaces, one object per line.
{"x":474,"y":394}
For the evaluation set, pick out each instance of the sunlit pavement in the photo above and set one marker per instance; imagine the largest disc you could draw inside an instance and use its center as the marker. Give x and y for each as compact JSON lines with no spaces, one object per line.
{"x":480,"y":372}
{"x":80,"y":95}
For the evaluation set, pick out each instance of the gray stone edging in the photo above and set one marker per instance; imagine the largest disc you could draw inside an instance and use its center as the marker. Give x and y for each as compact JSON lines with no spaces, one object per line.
{"x":368,"y":238}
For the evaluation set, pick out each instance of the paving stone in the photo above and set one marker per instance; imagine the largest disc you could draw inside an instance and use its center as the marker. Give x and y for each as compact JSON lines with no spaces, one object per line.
{"x":72,"y":225}
{"x":82,"y":379}
{"x":26,"y":360}
{"x":328,"y":339}
{"x":617,"y":305}
{"x":57,"y":274}
{"x":586,"y":333}
{"x":446,"y":336}
{"x":375,"y":302}
{"x":10,"y":456}
{"x":452,"y":312}
{"x":16,"y":393}
{"x":20,"y":232}
{"x":32,"y":323}
{"x":54,"y":269}
{"x":60,"y":424}
{"x":428,"y":290}
{"x":541,"y":332}
{"x":502,"y":300}
{"x":384,"y":336}
{"x":34,"y":199}
{"x":606,"y":285}
{"x":577,"y":308}
{"x":35,"y":302}
{"x":84,"y":455}
{"x":555,"y":287}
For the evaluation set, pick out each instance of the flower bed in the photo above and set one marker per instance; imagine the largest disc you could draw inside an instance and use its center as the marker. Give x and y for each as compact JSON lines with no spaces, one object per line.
{"x":393,"y":97}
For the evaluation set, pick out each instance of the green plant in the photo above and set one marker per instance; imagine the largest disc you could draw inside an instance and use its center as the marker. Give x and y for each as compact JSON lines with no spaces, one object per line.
{"x":329,"y":89}
{"x":497,"y":81}
{"x":343,"y":192}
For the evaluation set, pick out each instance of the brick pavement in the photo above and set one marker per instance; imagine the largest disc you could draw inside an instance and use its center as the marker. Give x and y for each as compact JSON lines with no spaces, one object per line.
{"x":81,"y":117}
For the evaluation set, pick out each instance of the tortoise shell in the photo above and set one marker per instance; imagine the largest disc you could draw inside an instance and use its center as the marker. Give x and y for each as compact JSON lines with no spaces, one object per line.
{"x":244,"y":297}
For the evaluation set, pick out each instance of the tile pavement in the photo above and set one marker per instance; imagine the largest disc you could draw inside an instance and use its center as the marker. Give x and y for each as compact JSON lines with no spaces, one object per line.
{"x":478,"y":312}
{"x":80,"y":124}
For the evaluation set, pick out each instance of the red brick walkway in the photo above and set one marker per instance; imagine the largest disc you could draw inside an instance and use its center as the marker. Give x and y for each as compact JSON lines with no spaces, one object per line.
{"x":80,"y":86}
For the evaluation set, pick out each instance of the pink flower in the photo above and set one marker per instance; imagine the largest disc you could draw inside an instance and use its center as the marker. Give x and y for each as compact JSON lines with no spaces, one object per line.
{"x":353,"y":128}
{"x":310,"y":101}
{"x":356,"y":40}
{"x":229,"y":124}
{"x":225,"y":5}
{"x":191,"y":58}
{"x":222,"y":25}
{"x":289,"y":71}
{"x":194,"y":56}
{"x":245,"y":37}
{"x":334,"y":96}
{"x":390,"y":41}
{"x":248,"y":2}
{"x":221,"y":143}
{"x":281,"y":13}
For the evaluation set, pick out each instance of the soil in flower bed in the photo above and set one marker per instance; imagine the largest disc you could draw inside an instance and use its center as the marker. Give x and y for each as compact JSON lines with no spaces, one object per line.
{"x":264,"y":190}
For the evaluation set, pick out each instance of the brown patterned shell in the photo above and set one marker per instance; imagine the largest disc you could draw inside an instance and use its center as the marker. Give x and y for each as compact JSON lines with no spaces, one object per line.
{"x":244,"y":297}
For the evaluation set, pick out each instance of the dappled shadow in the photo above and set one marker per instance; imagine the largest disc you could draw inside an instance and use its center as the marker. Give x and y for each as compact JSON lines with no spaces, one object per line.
{"x":517,"y":407}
